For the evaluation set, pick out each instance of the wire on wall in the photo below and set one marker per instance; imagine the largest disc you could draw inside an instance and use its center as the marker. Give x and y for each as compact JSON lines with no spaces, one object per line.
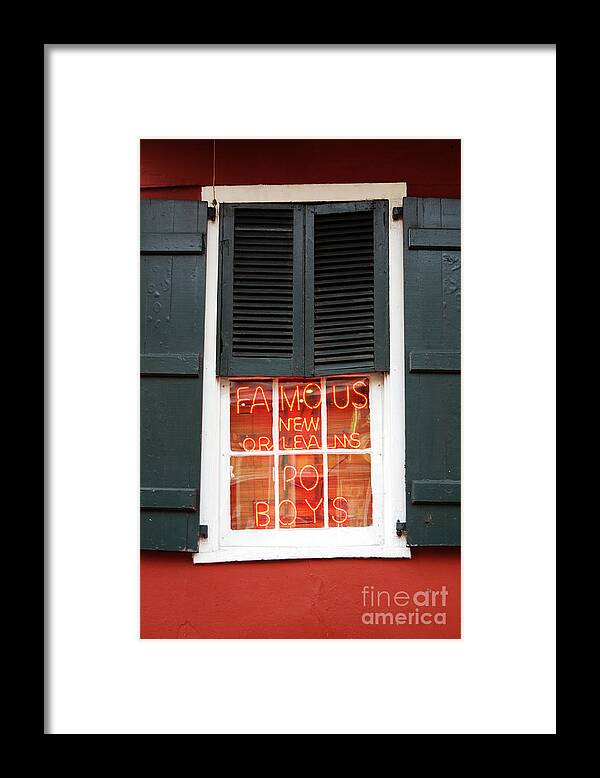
{"x":214,"y":202}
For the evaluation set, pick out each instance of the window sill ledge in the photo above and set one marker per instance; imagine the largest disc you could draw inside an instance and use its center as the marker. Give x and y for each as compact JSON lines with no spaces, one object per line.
{"x":247,"y":554}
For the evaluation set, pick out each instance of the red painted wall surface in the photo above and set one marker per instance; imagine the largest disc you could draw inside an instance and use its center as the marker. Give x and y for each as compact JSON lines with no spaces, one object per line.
{"x":300,"y":598}
{"x":431,"y":168}
{"x":316,"y":598}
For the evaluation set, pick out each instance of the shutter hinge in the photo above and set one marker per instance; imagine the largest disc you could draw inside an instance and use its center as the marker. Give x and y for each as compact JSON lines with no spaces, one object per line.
{"x":397,"y":213}
{"x":400,"y":527}
{"x":203,"y":531}
{"x":211,"y":213}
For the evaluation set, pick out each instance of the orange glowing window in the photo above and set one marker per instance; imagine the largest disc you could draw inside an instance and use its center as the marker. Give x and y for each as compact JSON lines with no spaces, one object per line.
{"x":251,"y":426}
{"x":301,"y":490}
{"x":349,"y":479}
{"x":348,"y":413}
{"x":299,"y":424}
{"x":300,"y":453}
{"x":252,"y":493}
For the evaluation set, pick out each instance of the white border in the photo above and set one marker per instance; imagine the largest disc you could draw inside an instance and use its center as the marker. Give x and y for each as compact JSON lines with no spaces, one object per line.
{"x":213,"y":548}
{"x":500,"y":678}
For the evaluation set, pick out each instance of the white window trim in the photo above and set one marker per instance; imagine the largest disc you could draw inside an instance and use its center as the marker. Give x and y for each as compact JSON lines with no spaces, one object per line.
{"x":387,"y":544}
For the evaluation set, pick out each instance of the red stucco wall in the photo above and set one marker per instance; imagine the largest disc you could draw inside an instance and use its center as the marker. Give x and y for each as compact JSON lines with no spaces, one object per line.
{"x":300,"y":598}
{"x":315,"y":598}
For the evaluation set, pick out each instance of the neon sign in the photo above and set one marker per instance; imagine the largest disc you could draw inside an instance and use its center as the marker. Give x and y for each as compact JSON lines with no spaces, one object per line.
{"x":263,"y":513}
{"x":286,"y":433}
{"x":299,"y":425}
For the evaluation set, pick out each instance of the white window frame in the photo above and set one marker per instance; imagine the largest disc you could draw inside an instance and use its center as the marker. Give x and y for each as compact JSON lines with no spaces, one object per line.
{"x":306,"y":536}
{"x":387,"y":410}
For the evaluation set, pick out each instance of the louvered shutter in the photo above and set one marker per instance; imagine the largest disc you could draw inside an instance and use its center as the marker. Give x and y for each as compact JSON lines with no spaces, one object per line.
{"x":432,"y":349}
{"x":347,"y":309}
{"x":261,"y":302}
{"x":173,"y":255}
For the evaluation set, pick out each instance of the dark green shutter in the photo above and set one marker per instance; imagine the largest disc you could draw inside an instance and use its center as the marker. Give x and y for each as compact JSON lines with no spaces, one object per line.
{"x":173,"y":273}
{"x":347,"y":291}
{"x":432,"y":349}
{"x":303,"y":289}
{"x":261,"y":297}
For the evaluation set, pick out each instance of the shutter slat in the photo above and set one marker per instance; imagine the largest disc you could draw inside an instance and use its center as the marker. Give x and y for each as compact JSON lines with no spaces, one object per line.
{"x":434,"y":362}
{"x":346,"y":291}
{"x":436,"y":492}
{"x":330,"y":319}
{"x":332,"y":336}
{"x":433,"y":239}
{"x":272,"y":318}
{"x":170,"y":364}
{"x":332,"y":350}
{"x":169,"y":499}
{"x":181,"y":243}
{"x":341,"y":306}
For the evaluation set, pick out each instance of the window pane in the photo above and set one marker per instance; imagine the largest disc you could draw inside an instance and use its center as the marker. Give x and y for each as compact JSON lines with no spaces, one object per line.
{"x":348,"y":413}
{"x":251,"y":415}
{"x":252,"y":493}
{"x":299,"y":415}
{"x":350,"y":499}
{"x":301,"y":491}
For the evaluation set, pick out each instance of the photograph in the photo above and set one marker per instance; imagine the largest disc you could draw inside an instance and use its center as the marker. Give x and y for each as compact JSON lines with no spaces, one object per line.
{"x":300,"y":388}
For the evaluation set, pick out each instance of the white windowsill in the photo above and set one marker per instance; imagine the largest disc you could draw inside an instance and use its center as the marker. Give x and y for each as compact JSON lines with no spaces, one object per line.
{"x":247,"y":554}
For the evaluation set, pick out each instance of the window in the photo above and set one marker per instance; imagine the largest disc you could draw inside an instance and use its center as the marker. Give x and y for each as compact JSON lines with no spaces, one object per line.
{"x":296,"y":463}
{"x":300,"y":454}
{"x":303,"y":299}
{"x":302,"y":462}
